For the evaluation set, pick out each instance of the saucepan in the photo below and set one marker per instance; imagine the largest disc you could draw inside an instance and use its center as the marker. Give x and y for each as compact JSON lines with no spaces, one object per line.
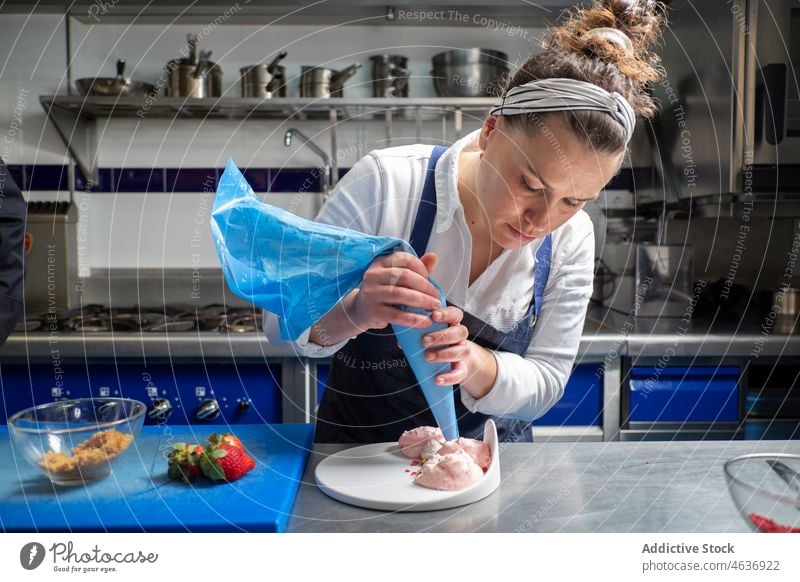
{"x":389,"y":76}
{"x":195,"y":75}
{"x":113,"y":86}
{"x":322,"y":82}
{"x":263,"y":80}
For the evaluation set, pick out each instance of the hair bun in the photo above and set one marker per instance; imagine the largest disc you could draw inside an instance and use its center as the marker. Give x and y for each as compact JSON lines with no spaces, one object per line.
{"x":614,"y":35}
{"x":620,"y":32}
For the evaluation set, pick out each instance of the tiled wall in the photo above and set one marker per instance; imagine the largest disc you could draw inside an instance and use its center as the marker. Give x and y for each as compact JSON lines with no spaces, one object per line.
{"x":152,"y":171}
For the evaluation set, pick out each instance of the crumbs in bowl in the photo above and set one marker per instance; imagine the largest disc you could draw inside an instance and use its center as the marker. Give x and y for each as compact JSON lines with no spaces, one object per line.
{"x":99,"y":449}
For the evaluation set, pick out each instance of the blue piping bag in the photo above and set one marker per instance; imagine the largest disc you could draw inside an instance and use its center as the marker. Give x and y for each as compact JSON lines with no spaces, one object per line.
{"x":440,"y":398}
{"x":300,"y":269}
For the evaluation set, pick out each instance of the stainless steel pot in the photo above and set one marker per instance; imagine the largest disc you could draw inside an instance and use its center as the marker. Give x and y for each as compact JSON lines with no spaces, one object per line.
{"x":262,"y":80}
{"x":113,"y":86}
{"x":194,"y":76}
{"x":389,"y":76}
{"x":471,"y":72}
{"x":787,"y":300}
{"x":255,"y":81}
{"x":279,"y":83}
{"x":320,"y":82}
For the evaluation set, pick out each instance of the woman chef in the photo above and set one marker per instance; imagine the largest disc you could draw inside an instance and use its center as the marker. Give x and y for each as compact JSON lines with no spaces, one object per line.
{"x":497,"y":221}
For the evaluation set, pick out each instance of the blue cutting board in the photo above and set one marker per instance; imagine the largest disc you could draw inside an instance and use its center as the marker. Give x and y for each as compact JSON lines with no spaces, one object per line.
{"x":138,"y":496}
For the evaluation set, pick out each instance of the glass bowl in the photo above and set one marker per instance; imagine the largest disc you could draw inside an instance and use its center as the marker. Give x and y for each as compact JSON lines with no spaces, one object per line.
{"x":74,"y":442}
{"x":766,"y":490}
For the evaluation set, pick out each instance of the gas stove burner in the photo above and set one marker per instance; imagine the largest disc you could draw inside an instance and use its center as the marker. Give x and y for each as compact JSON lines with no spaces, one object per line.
{"x":225,"y":319}
{"x":242,"y":324}
{"x":169,"y":319}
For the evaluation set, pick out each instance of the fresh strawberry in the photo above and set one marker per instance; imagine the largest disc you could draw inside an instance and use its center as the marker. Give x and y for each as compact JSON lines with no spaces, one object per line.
{"x":184,"y":462}
{"x":226,"y":437}
{"x":224,"y":462}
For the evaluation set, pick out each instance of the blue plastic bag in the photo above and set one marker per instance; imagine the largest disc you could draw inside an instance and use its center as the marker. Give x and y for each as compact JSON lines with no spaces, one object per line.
{"x":300,"y":269}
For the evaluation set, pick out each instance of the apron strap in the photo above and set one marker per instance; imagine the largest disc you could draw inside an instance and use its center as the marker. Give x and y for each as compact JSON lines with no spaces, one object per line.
{"x":426,"y":212}
{"x":541,"y":273}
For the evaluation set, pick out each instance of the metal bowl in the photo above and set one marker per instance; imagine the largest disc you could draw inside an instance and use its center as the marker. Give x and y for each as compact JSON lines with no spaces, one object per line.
{"x":470,"y":56}
{"x":470,"y":72}
{"x":469,"y":80}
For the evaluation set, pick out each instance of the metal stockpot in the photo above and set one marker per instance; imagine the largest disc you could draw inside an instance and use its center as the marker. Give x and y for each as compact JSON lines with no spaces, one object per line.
{"x":472,"y":72}
{"x":256,"y":81}
{"x":322,"y":83}
{"x":264,"y":80}
{"x":194,"y":76}
{"x":389,"y":76}
{"x":279,"y":83}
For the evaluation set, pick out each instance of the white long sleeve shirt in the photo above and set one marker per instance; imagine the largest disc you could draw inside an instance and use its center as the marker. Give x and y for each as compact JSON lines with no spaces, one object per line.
{"x":380,"y":196}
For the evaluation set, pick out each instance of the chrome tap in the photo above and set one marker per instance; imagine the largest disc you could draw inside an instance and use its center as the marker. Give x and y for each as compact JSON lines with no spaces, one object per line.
{"x":327,"y":173}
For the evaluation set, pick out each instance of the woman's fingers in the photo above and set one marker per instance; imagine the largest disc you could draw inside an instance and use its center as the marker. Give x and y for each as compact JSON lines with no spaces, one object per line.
{"x":453,"y":353}
{"x":406,"y":318}
{"x":456,"y":375}
{"x":454,"y":333}
{"x":401,"y":278}
{"x":449,"y":315}
{"x":445,"y":337}
{"x":430,"y":260}
{"x":404,"y":260}
{"x":390,"y":296}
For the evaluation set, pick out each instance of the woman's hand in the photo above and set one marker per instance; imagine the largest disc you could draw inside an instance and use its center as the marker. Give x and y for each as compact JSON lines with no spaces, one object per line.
{"x":473,"y":367}
{"x":449,"y":345}
{"x":392,"y":280}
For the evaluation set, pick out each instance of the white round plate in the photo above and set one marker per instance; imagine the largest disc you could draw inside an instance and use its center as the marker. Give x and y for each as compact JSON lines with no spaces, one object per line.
{"x":378,"y":476}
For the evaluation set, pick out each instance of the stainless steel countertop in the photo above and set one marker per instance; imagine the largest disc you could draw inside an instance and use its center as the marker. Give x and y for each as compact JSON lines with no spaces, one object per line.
{"x":567,"y":487}
{"x":606,"y":333}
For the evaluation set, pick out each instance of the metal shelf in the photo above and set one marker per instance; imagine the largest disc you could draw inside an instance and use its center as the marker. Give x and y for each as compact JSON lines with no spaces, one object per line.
{"x":74,"y":117}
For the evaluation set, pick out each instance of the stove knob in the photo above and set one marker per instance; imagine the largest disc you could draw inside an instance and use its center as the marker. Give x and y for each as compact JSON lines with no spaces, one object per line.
{"x":162,"y":408}
{"x":209,"y":410}
{"x":243,"y":406}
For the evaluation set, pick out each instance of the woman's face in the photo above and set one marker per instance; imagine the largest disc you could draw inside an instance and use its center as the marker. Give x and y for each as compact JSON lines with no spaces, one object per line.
{"x":529,"y":185}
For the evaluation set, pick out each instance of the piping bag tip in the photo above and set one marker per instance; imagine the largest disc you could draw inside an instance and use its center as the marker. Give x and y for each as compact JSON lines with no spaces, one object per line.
{"x":440,"y":398}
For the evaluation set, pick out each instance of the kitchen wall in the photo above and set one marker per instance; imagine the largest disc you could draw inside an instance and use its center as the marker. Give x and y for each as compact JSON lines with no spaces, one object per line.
{"x":157,"y":229}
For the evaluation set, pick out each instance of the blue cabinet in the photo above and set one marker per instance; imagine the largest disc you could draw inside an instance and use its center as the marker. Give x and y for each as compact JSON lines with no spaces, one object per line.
{"x":684,"y":394}
{"x":582,"y":403}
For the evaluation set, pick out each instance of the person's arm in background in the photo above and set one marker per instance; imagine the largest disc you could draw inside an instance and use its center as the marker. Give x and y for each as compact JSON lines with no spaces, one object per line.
{"x":13,"y":209}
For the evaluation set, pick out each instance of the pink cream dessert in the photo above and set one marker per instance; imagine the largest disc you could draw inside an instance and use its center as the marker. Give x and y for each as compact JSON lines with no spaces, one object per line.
{"x":478,"y":450}
{"x":412,"y":442}
{"x":449,"y":472}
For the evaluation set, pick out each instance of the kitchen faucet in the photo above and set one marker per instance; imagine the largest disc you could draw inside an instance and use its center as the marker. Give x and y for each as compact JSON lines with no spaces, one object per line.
{"x":327,"y":173}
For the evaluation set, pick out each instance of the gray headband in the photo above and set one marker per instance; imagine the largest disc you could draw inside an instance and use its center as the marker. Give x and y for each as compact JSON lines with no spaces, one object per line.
{"x":544,"y":95}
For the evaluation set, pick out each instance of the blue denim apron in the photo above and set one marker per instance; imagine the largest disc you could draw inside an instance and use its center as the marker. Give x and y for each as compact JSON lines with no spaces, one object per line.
{"x":372,"y":394}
